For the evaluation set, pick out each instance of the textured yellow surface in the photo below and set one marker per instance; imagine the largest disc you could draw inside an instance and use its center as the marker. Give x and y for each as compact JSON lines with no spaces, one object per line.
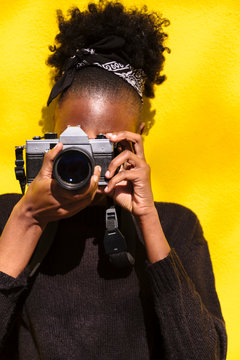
{"x":194,"y":145}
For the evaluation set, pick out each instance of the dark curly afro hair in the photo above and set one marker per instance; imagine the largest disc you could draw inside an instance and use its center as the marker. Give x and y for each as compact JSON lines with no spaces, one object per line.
{"x":142,"y":31}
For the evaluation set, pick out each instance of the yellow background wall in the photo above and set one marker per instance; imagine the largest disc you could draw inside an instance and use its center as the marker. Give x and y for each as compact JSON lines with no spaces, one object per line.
{"x":194,"y":145}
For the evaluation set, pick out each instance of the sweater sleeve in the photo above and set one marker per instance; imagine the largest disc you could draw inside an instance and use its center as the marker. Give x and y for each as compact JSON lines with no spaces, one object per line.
{"x":11,"y":289}
{"x":185,"y":299}
{"x":11,"y":294}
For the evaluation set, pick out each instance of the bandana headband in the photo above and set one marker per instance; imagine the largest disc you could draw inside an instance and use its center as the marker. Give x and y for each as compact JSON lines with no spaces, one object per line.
{"x":103,"y":55}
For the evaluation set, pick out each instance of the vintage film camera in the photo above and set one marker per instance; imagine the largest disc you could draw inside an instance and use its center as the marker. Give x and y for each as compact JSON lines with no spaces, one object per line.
{"x":74,"y":165}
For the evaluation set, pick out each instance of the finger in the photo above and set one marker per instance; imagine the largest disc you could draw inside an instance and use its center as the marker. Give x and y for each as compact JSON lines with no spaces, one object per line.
{"x":125,"y":145}
{"x":96,"y":175}
{"x":120,"y":179}
{"x":126,"y":157}
{"x":47,"y":167}
{"x":136,"y":139}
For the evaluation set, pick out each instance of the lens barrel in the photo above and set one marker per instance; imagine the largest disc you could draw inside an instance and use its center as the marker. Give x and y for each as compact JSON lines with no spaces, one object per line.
{"x":73,"y":168}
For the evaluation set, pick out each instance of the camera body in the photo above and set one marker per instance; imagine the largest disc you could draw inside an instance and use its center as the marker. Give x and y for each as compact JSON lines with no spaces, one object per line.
{"x":74,"y":165}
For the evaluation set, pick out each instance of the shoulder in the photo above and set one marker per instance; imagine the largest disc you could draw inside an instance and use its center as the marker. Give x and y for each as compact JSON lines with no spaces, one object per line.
{"x":7,"y":203}
{"x":180,"y":224}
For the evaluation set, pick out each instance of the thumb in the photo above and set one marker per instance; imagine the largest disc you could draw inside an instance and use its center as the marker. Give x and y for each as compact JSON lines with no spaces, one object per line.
{"x":47,"y":167}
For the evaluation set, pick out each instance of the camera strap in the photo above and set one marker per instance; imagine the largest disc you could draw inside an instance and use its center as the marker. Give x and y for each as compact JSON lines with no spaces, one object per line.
{"x":19,"y":168}
{"x":115,"y":244}
{"x":43,"y":246}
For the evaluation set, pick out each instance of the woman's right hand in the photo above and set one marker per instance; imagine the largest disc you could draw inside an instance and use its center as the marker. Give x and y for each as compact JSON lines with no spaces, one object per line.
{"x":46,"y":201}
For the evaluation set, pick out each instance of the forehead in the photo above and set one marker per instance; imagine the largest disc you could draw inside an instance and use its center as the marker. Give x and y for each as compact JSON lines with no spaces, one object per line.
{"x":96,"y":115}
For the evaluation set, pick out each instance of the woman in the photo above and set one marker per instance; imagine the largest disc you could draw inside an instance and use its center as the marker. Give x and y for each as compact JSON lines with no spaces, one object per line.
{"x":80,"y":303}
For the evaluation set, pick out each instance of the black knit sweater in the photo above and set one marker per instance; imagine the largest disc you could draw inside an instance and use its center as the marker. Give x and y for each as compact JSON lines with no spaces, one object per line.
{"x":78,"y":306}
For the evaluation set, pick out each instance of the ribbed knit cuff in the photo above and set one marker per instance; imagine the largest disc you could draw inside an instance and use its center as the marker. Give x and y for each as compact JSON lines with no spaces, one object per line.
{"x":9,"y":283}
{"x":167,"y":275}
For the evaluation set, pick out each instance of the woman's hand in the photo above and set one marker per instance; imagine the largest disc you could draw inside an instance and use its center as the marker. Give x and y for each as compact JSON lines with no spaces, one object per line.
{"x":47,"y":201}
{"x":44,"y":201}
{"x":131,"y":186}
{"x":131,"y":189}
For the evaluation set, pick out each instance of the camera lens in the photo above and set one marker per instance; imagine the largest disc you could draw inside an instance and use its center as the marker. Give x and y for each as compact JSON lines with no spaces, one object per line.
{"x":73,"y":168}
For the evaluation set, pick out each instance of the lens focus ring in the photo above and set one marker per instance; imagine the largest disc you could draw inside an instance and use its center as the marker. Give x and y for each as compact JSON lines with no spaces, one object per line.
{"x":73,"y":168}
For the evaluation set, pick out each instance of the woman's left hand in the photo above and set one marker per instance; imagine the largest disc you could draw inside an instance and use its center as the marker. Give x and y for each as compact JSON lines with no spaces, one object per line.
{"x":131,"y":186}
{"x":131,"y":189}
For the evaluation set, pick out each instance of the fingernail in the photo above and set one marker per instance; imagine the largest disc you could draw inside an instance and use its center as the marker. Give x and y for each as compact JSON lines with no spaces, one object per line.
{"x":107,"y":174}
{"x":106,"y":189}
{"x":57,"y":145}
{"x":99,"y":168}
{"x":113,"y":136}
{"x":109,"y":134}
{"x":95,"y":178}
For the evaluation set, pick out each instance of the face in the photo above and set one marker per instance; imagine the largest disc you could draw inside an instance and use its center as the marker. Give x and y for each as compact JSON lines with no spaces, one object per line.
{"x":96,"y":115}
